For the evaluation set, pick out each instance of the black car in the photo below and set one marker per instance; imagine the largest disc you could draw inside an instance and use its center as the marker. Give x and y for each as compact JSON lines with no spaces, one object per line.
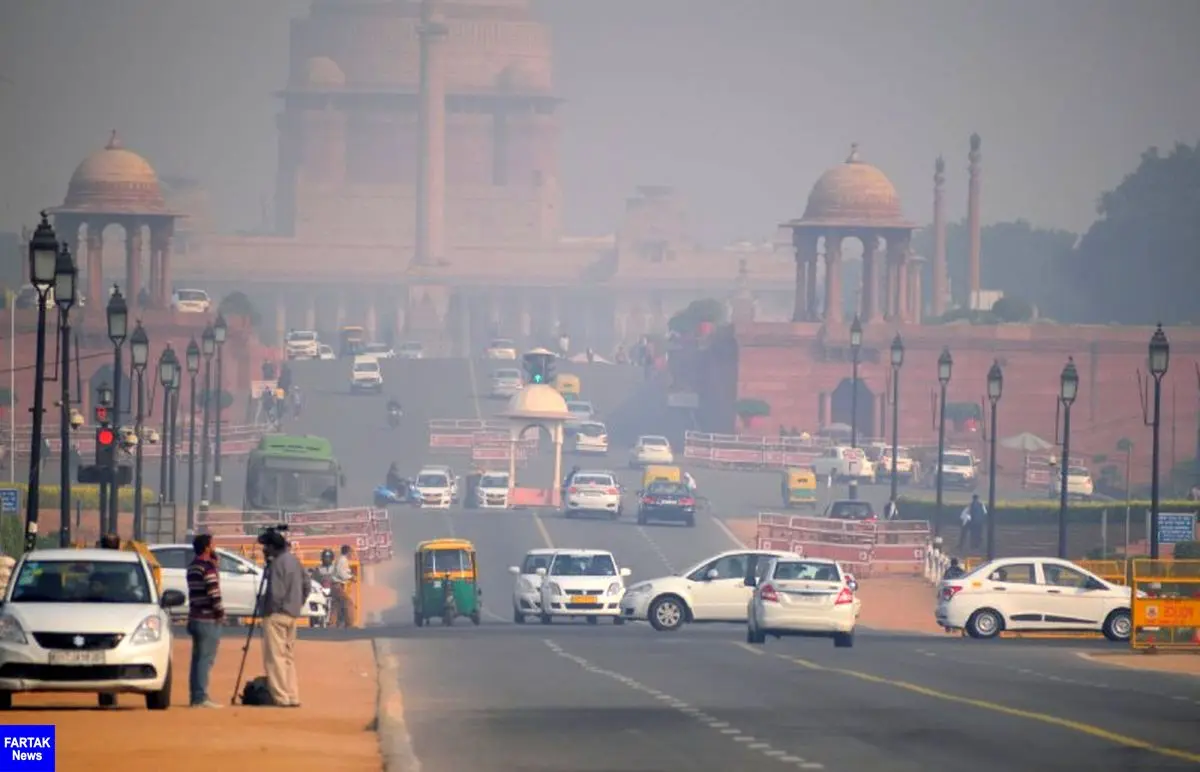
{"x":851,"y":509}
{"x":667,"y":501}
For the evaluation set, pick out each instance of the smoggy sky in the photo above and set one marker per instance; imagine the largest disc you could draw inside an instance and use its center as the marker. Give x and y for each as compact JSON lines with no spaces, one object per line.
{"x":739,"y":105}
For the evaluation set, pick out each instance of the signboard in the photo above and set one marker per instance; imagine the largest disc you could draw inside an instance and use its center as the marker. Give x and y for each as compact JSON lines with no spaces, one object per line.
{"x":10,"y":501}
{"x":1173,"y":527}
{"x":1168,"y":612}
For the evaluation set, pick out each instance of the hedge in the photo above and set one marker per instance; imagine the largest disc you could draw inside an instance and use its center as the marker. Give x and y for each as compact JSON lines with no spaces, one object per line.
{"x":1036,"y":511}
{"x":12,"y":537}
{"x":88,"y":496}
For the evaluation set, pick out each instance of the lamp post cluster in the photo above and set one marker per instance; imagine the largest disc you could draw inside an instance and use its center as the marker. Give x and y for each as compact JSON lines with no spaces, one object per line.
{"x":212,"y":341}
{"x":1159,"y":362}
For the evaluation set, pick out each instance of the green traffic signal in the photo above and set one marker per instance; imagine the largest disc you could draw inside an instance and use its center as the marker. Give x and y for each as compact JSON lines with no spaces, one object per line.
{"x":537,"y":377}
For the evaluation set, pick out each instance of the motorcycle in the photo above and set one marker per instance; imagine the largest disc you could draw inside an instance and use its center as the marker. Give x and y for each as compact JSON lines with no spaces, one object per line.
{"x":394,"y":416}
{"x":407,"y":494}
{"x":325,"y":584}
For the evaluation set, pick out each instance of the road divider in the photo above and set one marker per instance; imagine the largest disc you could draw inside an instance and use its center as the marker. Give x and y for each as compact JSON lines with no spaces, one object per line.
{"x":865,"y":548}
{"x":738,"y":451}
{"x":366,"y":529}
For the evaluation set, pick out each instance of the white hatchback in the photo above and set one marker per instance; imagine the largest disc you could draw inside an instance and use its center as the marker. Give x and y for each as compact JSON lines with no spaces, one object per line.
{"x":436,"y":487}
{"x":527,"y":591}
{"x":582,"y":583}
{"x":491,"y":492}
{"x":808,"y":597}
{"x":191,"y":301}
{"x":591,"y":438}
{"x":651,"y":449}
{"x":86,"y":620}
{"x":591,"y":493}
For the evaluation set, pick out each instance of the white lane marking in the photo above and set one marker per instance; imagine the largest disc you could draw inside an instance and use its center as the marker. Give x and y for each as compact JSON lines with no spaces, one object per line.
{"x":723,"y":727}
{"x":725,"y":529}
{"x":657,"y":549}
{"x":541,"y":527}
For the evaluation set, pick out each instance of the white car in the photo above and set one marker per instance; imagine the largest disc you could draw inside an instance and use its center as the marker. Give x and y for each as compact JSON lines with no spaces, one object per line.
{"x":191,"y":301}
{"x":366,"y":375}
{"x":86,"y":620}
{"x":436,"y":487}
{"x":501,"y":348}
{"x":958,"y":470}
{"x":527,"y":591}
{"x":378,"y":350}
{"x":410,"y":350}
{"x":325,"y":353}
{"x":651,"y":449}
{"x":241,"y":581}
{"x":713,"y":590}
{"x":492,"y":490}
{"x":591,"y":493}
{"x":506,"y":382}
{"x":591,"y":438}
{"x":582,"y":583}
{"x":1033,"y":594}
{"x":808,"y":597}
{"x":1079,"y":483}
{"x":842,"y":462}
{"x":906,"y":468}
{"x":580,"y":411}
{"x":302,"y":344}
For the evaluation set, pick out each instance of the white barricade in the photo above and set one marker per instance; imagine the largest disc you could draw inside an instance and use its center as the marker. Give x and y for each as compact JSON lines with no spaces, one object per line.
{"x":862,"y":547}
{"x":750,"y":452}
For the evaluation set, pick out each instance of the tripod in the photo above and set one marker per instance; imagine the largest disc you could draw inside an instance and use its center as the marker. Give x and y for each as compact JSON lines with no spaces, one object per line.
{"x":258,"y":602}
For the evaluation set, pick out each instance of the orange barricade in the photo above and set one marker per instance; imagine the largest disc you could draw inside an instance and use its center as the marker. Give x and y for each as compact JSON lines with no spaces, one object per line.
{"x":366,"y":530}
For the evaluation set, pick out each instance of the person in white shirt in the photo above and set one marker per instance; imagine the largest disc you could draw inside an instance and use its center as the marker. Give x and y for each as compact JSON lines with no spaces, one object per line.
{"x":690,"y":482}
{"x":342,"y":612}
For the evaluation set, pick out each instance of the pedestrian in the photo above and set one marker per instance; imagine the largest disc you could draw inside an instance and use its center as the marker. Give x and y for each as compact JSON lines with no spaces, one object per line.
{"x":964,"y":520}
{"x":343,"y":600}
{"x":953,"y":571}
{"x":287,"y":586}
{"x":109,"y":541}
{"x":890,"y":510}
{"x":979,"y":513}
{"x":206,"y":613}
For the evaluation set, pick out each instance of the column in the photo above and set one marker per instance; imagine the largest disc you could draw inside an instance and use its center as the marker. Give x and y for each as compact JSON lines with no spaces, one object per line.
{"x":133,"y":264}
{"x":95,"y":263}
{"x":973,"y":225}
{"x":897,"y":258}
{"x":431,"y":161}
{"x":340,"y":313}
{"x":401,"y":308}
{"x":810,"y":303}
{"x":160,"y":281}
{"x":939,"y":238}
{"x":806,"y":276}
{"x":914,"y":294}
{"x":164,"y":265}
{"x":870,"y":279}
{"x":833,"y":278}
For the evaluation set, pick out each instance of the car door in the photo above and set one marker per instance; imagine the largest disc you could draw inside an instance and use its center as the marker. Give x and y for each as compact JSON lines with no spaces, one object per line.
{"x":1014,"y":591}
{"x":239,"y":585}
{"x":1069,"y":604}
{"x":723,"y":597}
{"x":174,"y":562}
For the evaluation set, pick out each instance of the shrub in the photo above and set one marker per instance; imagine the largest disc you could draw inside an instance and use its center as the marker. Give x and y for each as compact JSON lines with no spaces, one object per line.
{"x":1034,"y":511}
{"x":1187,"y":550}
{"x":88,"y":496}
{"x":751,"y":408}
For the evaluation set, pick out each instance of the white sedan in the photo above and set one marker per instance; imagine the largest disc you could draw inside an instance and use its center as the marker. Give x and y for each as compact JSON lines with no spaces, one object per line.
{"x":86,"y":620}
{"x":592,"y":438}
{"x":591,"y":493}
{"x":582,"y":583}
{"x":501,"y":348}
{"x":651,"y":449}
{"x":809,"y":597}
{"x":713,"y":590}
{"x":527,"y":591}
{"x":1033,"y":594}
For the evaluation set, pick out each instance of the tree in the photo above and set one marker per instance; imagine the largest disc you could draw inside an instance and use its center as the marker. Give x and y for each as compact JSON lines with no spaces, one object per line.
{"x":706,"y":310}
{"x":1013,"y":309}
{"x":237,"y":304}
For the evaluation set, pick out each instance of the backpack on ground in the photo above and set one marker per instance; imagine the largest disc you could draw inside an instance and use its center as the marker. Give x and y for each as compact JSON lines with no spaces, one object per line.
{"x":256,"y":692}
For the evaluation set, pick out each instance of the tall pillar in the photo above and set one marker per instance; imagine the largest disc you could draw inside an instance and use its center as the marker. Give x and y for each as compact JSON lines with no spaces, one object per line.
{"x":160,"y":279}
{"x":973,"y":226}
{"x":371,"y":320}
{"x":133,"y":263}
{"x":340,"y":313}
{"x":806,"y":276}
{"x":870,"y":280}
{"x":431,"y":182}
{"x":897,"y":258}
{"x":833,"y":278}
{"x":939,"y":238}
{"x":95,"y":263}
{"x":915,"y":310}
{"x":401,"y":315}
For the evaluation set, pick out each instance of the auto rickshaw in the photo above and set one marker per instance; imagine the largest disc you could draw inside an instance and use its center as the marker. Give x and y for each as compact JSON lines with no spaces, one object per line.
{"x":799,"y":488}
{"x":567,"y":385}
{"x":657,"y":473}
{"x":352,"y":339}
{"x":446,"y":579}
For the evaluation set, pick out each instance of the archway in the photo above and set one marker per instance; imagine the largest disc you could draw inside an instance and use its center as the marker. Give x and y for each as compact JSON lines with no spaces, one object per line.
{"x":539,"y":433}
{"x":842,"y":407}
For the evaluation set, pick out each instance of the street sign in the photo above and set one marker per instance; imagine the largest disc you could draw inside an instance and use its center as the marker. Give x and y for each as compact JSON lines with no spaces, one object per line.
{"x":1175,"y":527}
{"x":10,"y":501}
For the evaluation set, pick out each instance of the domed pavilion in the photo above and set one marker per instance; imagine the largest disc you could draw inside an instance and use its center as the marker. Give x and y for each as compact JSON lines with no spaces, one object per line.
{"x":855,"y":200}
{"x":115,"y":186}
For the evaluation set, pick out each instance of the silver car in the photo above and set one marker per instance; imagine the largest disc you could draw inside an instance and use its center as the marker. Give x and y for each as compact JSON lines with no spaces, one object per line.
{"x":506,"y":382}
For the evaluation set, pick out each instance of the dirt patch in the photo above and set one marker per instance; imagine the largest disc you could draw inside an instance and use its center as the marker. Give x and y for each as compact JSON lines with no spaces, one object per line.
{"x":333,"y":731}
{"x":1183,"y":664}
{"x":744,"y":528}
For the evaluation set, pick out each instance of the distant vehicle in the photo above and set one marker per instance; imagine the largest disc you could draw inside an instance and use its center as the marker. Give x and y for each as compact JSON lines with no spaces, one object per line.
{"x":592,"y":493}
{"x":365,"y":375}
{"x":580,"y":411}
{"x":527,"y":590}
{"x":410,"y":350}
{"x":492,"y":490}
{"x":191,"y":301}
{"x":808,"y":597}
{"x":302,"y":344}
{"x":582,"y":583}
{"x":651,"y":449}
{"x":851,"y":509}
{"x":27,"y":297}
{"x":501,"y":348}
{"x":378,"y":350}
{"x":843,"y":462}
{"x":435,"y":486}
{"x":294,"y":474}
{"x":667,"y":501}
{"x":351,"y":339}
{"x":906,"y":467}
{"x":591,"y":438}
{"x":325,"y":353}
{"x":958,"y":470}
{"x":1079,"y":483}
{"x":506,"y":382}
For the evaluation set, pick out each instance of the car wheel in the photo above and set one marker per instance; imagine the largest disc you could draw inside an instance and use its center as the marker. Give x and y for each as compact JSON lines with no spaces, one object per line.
{"x":545,"y":619}
{"x":843,"y":640}
{"x":985,"y":623}
{"x":160,"y":700}
{"x":518,"y":617}
{"x":618,"y":620}
{"x":1118,"y":626}
{"x":5,"y":700}
{"x":691,"y":522}
{"x":667,"y":613}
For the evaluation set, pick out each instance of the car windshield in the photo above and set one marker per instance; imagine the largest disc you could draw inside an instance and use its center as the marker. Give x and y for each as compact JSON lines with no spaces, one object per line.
{"x":956,"y":459}
{"x":1077,"y":471}
{"x":366,"y":367}
{"x":900,"y":453}
{"x":592,"y":479}
{"x":444,"y":561}
{"x":301,"y":337}
{"x":507,"y":375}
{"x":191,"y":294}
{"x":534,"y":562}
{"x":593,"y":430}
{"x":580,"y":408}
{"x":81,"y":581}
{"x":501,"y":343}
{"x":433,"y":480}
{"x":667,"y":489}
{"x":806,"y":570}
{"x":851,"y":510}
{"x":583,"y":565}
{"x":493,"y":481}
{"x":655,"y":442}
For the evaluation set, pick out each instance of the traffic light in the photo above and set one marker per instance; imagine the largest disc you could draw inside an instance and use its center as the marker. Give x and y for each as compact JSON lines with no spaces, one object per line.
{"x":106,"y":446}
{"x":539,"y":366}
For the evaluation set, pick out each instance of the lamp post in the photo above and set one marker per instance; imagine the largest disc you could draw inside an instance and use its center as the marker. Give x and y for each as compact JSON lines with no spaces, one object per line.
{"x":220,"y":332}
{"x":1160,"y":360}
{"x":173,"y":446}
{"x":118,"y":327}
{"x":193,"y":367}
{"x":139,"y":352}
{"x":104,"y":397}
{"x":167,"y":365}
{"x":897,"y":363}
{"x":855,"y":348}
{"x":43,"y":259}
{"x":1068,"y":390}
{"x":208,"y":346}
{"x":65,"y":274}
{"x":995,"y":387}
{"x":945,"y":367}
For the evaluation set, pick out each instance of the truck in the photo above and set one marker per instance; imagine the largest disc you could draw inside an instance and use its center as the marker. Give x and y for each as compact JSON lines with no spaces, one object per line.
{"x":293,"y":474}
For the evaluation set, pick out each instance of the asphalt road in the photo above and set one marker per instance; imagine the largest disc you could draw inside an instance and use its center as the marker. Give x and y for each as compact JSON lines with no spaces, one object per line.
{"x":571,"y":696}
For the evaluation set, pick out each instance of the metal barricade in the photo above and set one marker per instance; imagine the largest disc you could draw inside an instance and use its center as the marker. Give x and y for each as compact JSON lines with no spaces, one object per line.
{"x":1165,"y":605}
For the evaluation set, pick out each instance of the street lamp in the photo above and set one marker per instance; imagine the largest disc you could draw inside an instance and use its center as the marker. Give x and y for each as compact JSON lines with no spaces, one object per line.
{"x":173,"y":453}
{"x":43,"y":259}
{"x":1160,"y":361}
{"x":139,"y":351}
{"x":65,"y":274}
{"x":897,"y":363}
{"x":167,"y":365}
{"x":118,"y":327}
{"x":1068,"y":390}
{"x":220,"y":332}
{"x":208,"y":347}
{"x":995,"y":387}
{"x":945,"y":367}
{"x":855,"y":347}
{"x":193,"y":366}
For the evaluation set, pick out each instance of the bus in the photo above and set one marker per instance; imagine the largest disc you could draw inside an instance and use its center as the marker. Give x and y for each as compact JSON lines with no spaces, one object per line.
{"x":292,"y":474}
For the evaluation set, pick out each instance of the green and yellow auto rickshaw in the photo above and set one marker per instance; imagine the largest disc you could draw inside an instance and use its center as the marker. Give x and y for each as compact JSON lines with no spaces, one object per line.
{"x":446,"y":579}
{"x":799,"y":488}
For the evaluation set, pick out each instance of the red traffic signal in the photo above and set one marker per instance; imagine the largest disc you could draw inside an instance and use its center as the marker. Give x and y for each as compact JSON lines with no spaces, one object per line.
{"x":105,"y":436}
{"x":101,"y":414}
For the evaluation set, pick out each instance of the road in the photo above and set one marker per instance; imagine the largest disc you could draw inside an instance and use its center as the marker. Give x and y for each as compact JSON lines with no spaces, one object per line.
{"x":570,"y":697}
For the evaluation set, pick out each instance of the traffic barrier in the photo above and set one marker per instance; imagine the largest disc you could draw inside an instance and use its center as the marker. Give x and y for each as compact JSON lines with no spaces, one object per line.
{"x":500,"y":452}
{"x":366,"y":530}
{"x":1165,"y":605}
{"x":865,"y":548}
{"x":522,"y":498}
{"x":750,"y":452}
{"x":310,"y":564}
{"x":1036,"y":472}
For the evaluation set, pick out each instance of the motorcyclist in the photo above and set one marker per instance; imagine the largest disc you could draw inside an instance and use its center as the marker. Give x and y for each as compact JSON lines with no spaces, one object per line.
{"x":393,"y":406}
{"x":394,"y":482}
{"x":323,"y":573}
{"x":296,"y":401}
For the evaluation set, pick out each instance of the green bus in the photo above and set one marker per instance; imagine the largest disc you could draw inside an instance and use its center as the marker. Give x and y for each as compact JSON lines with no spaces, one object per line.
{"x":292,"y":474}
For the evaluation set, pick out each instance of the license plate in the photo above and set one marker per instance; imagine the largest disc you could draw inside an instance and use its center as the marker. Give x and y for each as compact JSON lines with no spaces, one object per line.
{"x":591,"y":493}
{"x":584,"y":599}
{"x":667,"y":501}
{"x":812,"y":598}
{"x":76,"y":657}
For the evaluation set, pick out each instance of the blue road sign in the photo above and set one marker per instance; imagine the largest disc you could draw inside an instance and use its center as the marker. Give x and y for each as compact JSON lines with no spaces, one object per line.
{"x":10,"y":501}
{"x":1173,"y":527}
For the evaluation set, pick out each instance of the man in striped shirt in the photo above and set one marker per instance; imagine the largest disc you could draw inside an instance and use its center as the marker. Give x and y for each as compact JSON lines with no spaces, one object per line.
{"x":205,"y":615}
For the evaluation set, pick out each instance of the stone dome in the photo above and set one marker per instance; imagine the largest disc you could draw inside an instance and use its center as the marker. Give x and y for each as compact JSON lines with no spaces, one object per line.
{"x":854,"y":193}
{"x":115,"y":180}
{"x":538,"y":401}
{"x":323,"y":72}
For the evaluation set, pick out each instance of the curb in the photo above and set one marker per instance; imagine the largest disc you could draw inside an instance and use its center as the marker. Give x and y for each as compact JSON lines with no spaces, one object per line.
{"x":395,"y":744}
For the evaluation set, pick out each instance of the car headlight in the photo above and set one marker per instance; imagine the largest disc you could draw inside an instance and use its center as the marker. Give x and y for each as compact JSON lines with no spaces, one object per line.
{"x":149,"y":631}
{"x":614,"y":588}
{"x":11,"y":631}
{"x":554,"y":589}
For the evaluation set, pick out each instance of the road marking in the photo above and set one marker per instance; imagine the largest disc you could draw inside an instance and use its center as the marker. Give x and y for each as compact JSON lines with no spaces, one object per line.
{"x":541,"y":527}
{"x":749,"y":648}
{"x":395,"y":740}
{"x":722,"y":727}
{"x":732,"y":536}
{"x":996,"y":707}
{"x":657,"y":549}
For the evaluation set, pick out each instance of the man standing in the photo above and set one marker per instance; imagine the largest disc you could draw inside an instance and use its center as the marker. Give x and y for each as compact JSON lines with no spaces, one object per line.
{"x":343,"y":601}
{"x":287,"y":585}
{"x":206,"y":612}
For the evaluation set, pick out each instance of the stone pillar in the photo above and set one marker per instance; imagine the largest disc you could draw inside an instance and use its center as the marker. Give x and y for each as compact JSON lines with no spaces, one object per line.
{"x":805,"y":306}
{"x":940,"y":290}
{"x":160,"y":278}
{"x":974,"y":231}
{"x":133,"y":264}
{"x":95,"y":263}
{"x":915,"y":310}
{"x":897,"y":257}
{"x":340,"y":313}
{"x":833,"y":278}
{"x":431,"y":160}
{"x":870,"y":279}
{"x":371,"y":319}
{"x":401,"y":316}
